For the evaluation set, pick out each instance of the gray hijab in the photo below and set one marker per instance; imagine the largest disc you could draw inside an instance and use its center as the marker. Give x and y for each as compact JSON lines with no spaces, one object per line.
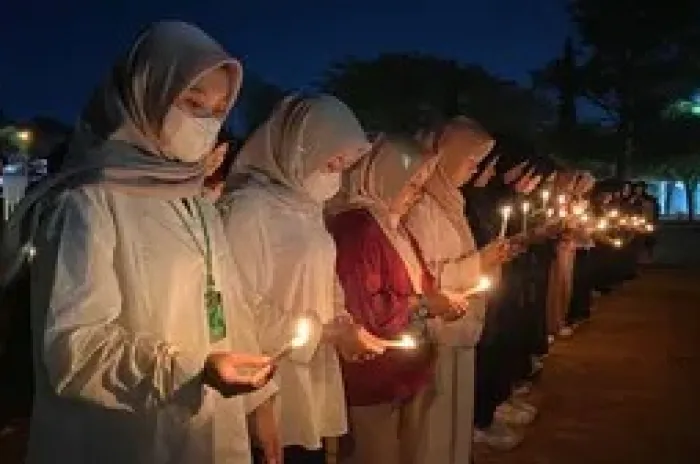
{"x":116,"y":142}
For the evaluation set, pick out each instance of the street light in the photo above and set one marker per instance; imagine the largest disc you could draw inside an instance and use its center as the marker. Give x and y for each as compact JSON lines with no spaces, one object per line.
{"x":24,"y":135}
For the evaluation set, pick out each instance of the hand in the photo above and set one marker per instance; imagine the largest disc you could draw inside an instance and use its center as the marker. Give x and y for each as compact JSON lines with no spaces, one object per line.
{"x":213,"y":160}
{"x":266,"y":433}
{"x":235,"y":374}
{"x":354,"y":342}
{"x":439,"y":305}
{"x":494,"y":253}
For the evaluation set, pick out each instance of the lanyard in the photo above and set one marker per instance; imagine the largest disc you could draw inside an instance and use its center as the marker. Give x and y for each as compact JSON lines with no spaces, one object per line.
{"x":206,"y":251}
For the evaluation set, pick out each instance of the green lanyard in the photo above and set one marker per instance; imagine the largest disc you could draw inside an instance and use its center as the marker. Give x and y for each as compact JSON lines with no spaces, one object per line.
{"x":213,"y":301}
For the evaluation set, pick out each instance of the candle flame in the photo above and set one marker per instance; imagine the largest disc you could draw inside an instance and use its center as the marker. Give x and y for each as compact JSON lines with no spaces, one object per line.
{"x":617,"y":243}
{"x":561,"y":199}
{"x":506,"y":210}
{"x":545,"y":195}
{"x":302,"y":333}
{"x":406,"y":342}
{"x":526,"y":207}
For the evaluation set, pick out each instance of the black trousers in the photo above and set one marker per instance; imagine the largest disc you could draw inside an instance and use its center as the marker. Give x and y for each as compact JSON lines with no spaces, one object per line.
{"x":580,"y":304}
{"x":295,"y":455}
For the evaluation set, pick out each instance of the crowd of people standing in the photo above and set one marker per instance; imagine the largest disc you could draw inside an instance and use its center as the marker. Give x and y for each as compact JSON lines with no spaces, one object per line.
{"x":316,"y":294}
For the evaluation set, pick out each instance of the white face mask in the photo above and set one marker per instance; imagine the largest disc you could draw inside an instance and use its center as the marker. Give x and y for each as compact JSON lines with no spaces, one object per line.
{"x":322,"y":186}
{"x":189,"y":138}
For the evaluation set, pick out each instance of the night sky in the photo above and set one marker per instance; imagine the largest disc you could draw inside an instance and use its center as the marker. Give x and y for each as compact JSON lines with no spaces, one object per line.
{"x":52,"y":53}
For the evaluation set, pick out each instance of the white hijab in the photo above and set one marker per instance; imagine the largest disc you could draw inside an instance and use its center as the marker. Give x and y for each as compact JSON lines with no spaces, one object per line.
{"x":300,"y":136}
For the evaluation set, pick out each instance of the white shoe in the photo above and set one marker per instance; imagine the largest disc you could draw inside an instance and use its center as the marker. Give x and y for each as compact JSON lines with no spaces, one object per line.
{"x":499,"y":436}
{"x":518,"y":403}
{"x":550,"y":339}
{"x":566,"y":331}
{"x":510,"y":414}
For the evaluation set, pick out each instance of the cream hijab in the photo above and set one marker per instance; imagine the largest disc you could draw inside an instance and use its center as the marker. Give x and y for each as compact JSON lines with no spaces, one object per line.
{"x":116,"y":142}
{"x":300,"y":136}
{"x":377,"y":181}
{"x":460,"y":141}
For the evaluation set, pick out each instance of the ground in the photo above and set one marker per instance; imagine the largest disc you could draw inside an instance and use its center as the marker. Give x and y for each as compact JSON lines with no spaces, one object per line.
{"x":623,"y":390}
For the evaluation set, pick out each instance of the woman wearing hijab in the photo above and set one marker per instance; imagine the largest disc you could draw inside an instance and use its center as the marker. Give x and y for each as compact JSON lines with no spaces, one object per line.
{"x":562,"y":269}
{"x":444,"y":238}
{"x":492,"y":187}
{"x":136,"y":315}
{"x":273,"y":215}
{"x":388,"y":291}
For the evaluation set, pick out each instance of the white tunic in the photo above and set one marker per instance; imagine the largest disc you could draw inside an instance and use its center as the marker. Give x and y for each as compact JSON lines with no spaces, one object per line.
{"x":287,"y":259}
{"x":120,"y":336}
{"x":450,"y":417}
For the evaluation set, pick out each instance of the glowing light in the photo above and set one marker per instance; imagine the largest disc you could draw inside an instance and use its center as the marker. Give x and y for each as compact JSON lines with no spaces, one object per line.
{"x":405,"y":342}
{"x":505,"y":214}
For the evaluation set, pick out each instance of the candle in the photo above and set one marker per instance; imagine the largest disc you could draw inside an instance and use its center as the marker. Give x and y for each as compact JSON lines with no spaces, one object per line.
{"x":602,"y":224}
{"x":550,"y":212}
{"x":302,"y":334}
{"x":505,"y":214}
{"x":526,"y":209}
{"x":545,"y":199}
{"x":613,"y":213}
{"x":561,"y":199}
{"x":406,"y":342}
{"x":649,"y":228}
{"x":578,"y":210}
{"x":483,"y":285}
{"x":617,"y":243}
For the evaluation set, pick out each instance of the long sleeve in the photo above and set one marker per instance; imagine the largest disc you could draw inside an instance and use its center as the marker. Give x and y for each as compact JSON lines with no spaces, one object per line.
{"x":255,"y":263}
{"x":363,"y":271}
{"x":87,"y":351}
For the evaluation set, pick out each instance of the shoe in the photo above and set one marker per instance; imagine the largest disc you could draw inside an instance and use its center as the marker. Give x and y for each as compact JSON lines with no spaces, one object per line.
{"x":550,"y":339}
{"x":519,"y":403}
{"x":499,"y":436}
{"x":566,"y":331}
{"x":510,"y":414}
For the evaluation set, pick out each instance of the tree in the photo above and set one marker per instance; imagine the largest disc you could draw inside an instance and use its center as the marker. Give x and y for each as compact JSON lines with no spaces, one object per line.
{"x":637,"y":57}
{"x":672,"y":151}
{"x":403,"y":92}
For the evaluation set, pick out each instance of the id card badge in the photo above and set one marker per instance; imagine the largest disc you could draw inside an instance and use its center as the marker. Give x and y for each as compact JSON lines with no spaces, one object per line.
{"x":215,"y":315}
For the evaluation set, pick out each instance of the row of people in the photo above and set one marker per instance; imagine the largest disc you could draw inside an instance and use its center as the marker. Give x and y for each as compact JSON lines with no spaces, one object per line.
{"x":336,"y":289}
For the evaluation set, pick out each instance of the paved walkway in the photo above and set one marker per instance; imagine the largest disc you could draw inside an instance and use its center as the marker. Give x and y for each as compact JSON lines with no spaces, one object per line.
{"x":626,"y":388}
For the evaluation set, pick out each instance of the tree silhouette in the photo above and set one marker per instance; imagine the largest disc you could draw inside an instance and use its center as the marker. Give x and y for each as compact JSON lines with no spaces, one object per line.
{"x":402,"y":92}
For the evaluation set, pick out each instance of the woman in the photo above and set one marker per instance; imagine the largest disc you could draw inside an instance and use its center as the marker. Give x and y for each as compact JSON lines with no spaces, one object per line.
{"x":273,"y":214}
{"x":498,"y":362}
{"x":389,"y":292}
{"x":446,"y":244}
{"x":562,"y":268}
{"x":136,"y":315}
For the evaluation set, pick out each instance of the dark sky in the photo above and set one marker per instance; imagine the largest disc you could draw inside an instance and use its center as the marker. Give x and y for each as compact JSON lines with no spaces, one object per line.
{"x":52,"y":53}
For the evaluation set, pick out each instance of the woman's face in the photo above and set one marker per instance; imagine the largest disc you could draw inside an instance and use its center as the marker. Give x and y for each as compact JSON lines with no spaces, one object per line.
{"x":208,"y":97}
{"x":487,"y":174}
{"x":413,"y":189}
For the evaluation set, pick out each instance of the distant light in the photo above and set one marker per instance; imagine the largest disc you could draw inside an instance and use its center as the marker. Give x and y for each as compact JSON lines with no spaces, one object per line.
{"x":24,"y":135}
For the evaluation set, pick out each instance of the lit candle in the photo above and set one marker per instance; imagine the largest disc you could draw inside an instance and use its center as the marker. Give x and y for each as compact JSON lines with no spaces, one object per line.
{"x":526,"y":209}
{"x":602,"y":224}
{"x":406,"y":342}
{"x":613,"y":213}
{"x":617,"y":243}
{"x":649,"y":228}
{"x":302,"y":334}
{"x":545,"y":199}
{"x":561,"y":199}
{"x":505,"y":214}
{"x":484,"y":284}
{"x":550,"y":212}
